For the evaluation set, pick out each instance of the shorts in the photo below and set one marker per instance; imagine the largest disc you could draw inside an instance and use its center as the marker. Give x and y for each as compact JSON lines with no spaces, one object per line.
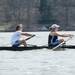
{"x":53,"y":44}
{"x":16,"y":44}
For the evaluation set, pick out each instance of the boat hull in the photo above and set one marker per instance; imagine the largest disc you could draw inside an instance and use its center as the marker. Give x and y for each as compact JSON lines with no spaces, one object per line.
{"x":34,"y":48}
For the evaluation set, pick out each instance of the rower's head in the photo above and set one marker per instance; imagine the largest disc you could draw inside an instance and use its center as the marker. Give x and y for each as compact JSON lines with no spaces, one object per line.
{"x":54,"y":27}
{"x":19,"y":27}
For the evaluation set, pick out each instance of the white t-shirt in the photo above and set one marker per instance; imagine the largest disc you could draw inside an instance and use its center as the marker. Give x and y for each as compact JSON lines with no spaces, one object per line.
{"x":15,"y":37}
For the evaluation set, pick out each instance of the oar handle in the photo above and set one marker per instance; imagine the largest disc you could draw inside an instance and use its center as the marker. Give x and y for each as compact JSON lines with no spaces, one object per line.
{"x":30,"y":37}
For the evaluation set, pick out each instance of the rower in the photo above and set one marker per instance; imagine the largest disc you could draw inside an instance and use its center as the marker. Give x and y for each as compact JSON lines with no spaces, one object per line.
{"x":53,"y":36}
{"x":16,"y":39}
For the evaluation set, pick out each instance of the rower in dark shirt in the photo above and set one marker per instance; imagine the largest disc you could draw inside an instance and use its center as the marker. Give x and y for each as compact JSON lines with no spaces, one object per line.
{"x":53,"y":36}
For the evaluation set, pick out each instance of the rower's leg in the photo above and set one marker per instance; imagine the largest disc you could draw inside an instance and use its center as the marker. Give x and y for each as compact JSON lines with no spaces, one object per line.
{"x":61,"y":40}
{"x":57,"y":42}
{"x":23,"y":42}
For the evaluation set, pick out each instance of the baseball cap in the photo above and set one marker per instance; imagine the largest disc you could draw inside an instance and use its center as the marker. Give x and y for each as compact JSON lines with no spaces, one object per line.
{"x":55,"y":26}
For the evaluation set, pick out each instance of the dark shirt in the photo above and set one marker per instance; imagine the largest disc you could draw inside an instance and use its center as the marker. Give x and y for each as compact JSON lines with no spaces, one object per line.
{"x":52,"y":40}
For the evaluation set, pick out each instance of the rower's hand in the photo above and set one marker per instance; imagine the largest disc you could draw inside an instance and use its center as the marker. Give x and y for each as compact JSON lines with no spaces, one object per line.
{"x":70,"y":35}
{"x":33,"y":35}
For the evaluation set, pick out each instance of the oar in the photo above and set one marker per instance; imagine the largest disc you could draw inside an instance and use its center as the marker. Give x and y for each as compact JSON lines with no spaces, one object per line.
{"x":62,"y":43}
{"x":30,"y":37}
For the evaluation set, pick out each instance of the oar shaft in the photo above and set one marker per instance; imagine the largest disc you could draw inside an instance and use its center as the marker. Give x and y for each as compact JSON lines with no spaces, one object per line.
{"x":57,"y":46}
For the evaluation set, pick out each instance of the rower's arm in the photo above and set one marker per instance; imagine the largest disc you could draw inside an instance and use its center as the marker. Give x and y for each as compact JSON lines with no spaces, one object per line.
{"x":62,"y":35}
{"x":26,"y":34}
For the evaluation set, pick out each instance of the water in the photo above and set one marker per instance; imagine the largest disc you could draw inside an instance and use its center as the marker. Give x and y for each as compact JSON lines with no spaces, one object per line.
{"x":37,"y":62}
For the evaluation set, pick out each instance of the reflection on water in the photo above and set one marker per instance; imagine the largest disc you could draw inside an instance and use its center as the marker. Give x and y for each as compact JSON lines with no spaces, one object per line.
{"x":37,"y":62}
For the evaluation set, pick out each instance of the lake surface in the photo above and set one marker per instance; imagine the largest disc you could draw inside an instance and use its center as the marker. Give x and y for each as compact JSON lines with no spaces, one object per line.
{"x":37,"y":62}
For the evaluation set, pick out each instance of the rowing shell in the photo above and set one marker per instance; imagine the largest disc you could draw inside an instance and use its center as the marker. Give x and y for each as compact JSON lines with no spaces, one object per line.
{"x":34,"y":47}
